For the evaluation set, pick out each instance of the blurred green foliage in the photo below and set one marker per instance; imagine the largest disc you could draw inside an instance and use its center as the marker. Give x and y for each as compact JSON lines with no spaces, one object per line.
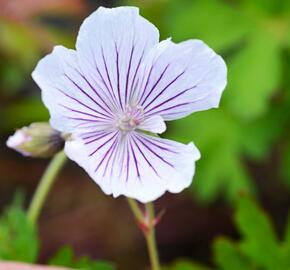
{"x":254,"y":37}
{"x":18,"y":237}
{"x":65,"y":257}
{"x":27,"y":31}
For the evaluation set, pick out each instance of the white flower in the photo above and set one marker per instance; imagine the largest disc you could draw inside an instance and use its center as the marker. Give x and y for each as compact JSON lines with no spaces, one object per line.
{"x":119,"y":82}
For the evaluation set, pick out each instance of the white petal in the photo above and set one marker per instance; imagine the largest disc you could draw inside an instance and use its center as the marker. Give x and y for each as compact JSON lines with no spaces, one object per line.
{"x":73,"y":102}
{"x":154,"y":124}
{"x":138,"y":166}
{"x":111,"y":45}
{"x":81,"y":150}
{"x":178,"y":79}
{"x":16,"y":140}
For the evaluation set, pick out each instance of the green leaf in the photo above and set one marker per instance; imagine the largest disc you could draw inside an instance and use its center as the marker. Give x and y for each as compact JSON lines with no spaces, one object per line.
{"x":221,"y":171}
{"x":287,"y":232}
{"x":259,"y":238}
{"x":286,"y":244}
{"x":254,"y":75}
{"x":65,"y":257}
{"x":258,"y":248}
{"x":228,"y":257}
{"x":86,"y":263}
{"x":186,"y":265}
{"x":18,"y":237}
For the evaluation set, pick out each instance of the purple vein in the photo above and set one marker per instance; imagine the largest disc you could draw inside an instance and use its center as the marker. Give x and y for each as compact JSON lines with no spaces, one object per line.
{"x":163,"y":90}
{"x":114,"y":100}
{"x":156,"y":145}
{"x":83,"y":104}
{"x":146,"y":84}
{"x":154,"y":153}
{"x":106,"y":154}
{"x":98,"y":138}
{"x":121,"y":167}
{"x":118,"y":76}
{"x":135,"y":74}
{"x":85,"y":93}
{"x":102,"y":78}
{"x":169,"y":108}
{"x":161,"y":142}
{"x":170,"y":99}
{"x":109,"y":159}
{"x":81,"y":119}
{"x":108,"y":75}
{"x":93,"y":134}
{"x":135,"y":160}
{"x":156,"y":83}
{"x":84,"y":113}
{"x":84,"y":77}
{"x":148,"y":162}
{"x":98,"y":95}
{"x":128,"y":162}
{"x":128,"y":73}
{"x":102,"y":145}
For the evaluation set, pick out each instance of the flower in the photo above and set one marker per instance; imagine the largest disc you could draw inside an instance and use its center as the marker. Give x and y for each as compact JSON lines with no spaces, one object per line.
{"x":116,"y":90}
{"x":36,"y":140}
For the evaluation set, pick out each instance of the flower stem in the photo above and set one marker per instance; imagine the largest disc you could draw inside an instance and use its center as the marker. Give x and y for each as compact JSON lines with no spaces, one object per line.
{"x":148,"y":227}
{"x":45,"y":185}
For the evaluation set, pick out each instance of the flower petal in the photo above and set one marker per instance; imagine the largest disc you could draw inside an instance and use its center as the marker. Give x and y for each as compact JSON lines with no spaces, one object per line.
{"x":137,"y":166}
{"x":178,"y":79}
{"x":73,"y":102}
{"x":154,"y":124}
{"x":111,"y":45}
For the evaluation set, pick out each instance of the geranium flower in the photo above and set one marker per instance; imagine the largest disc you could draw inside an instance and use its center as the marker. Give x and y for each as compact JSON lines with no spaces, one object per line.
{"x":114,"y":92}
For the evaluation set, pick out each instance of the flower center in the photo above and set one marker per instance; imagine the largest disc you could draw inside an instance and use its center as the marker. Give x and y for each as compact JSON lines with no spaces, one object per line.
{"x":130,"y":119}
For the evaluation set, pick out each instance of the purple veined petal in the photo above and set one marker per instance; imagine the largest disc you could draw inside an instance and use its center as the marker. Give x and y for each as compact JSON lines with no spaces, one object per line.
{"x":111,"y":46}
{"x":137,"y":166}
{"x":67,"y":94}
{"x":91,"y":139}
{"x":178,"y":79}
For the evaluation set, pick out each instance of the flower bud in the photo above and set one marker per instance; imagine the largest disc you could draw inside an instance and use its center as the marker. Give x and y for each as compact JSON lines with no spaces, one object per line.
{"x":36,"y":140}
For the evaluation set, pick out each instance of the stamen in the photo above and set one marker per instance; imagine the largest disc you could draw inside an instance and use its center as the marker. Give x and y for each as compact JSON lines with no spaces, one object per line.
{"x":130,"y":119}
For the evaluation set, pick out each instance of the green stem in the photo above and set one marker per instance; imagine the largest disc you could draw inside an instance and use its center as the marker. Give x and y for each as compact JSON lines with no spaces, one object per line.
{"x":45,"y":185}
{"x":149,"y":232}
{"x":151,"y":239}
{"x":135,"y":209}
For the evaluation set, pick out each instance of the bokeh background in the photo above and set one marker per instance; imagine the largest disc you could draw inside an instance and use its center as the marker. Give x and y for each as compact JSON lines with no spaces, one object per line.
{"x":245,"y":143}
